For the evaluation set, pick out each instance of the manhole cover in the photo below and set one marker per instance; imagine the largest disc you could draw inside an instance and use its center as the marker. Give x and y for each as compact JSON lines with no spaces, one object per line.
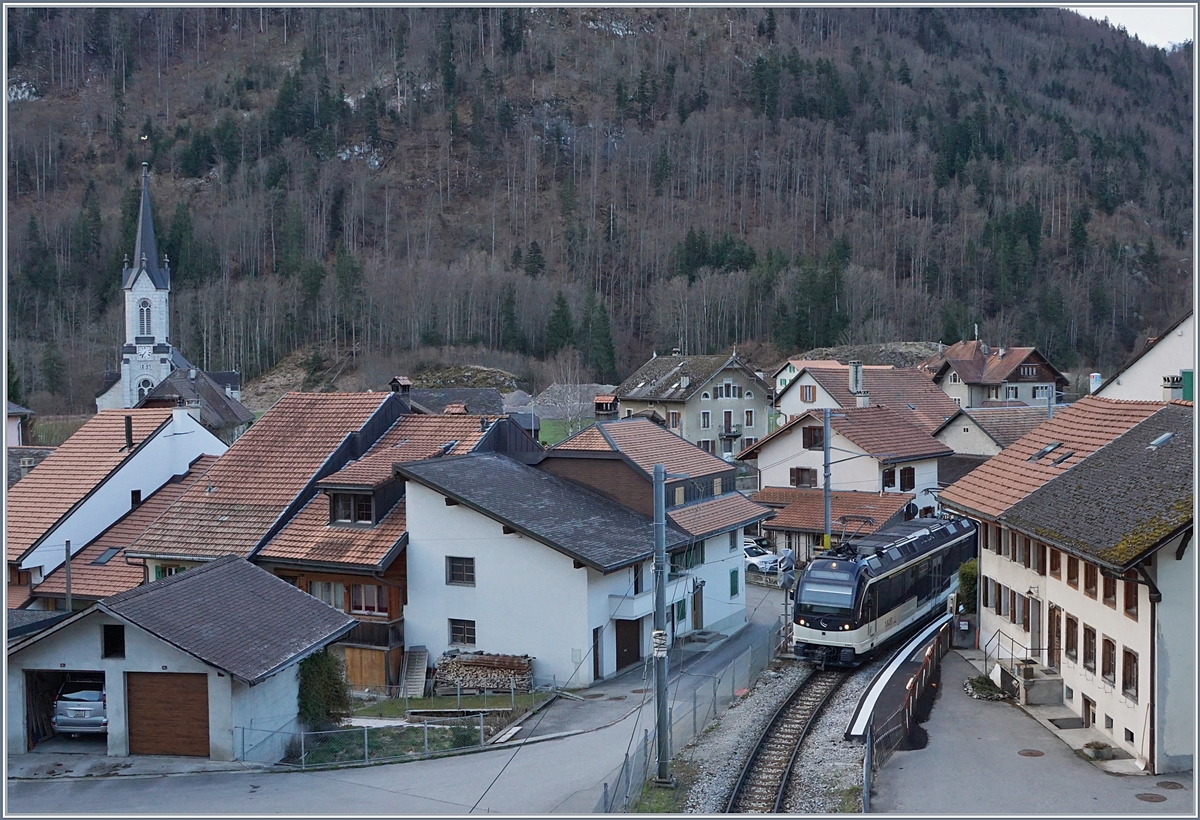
{"x":1030,"y":753}
{"x":1169,"y":784}
{"x":594,"y":695}
{"x":1151,"y":798}
{"x":617,"y":697}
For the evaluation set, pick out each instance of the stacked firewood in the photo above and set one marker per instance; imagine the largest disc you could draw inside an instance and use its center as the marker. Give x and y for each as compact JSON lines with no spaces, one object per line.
{"x":474,"y":672}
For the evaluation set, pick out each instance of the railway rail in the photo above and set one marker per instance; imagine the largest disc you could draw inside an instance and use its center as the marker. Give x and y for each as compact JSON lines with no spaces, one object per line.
{"x":764,"y":779}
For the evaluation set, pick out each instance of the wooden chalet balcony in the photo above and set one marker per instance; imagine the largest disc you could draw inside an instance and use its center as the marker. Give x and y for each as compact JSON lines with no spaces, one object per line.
{"x":379,"y":634}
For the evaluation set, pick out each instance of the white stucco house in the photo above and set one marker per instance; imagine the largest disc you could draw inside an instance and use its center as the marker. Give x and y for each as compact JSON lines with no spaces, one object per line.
{"x":507,"y":558}
{"x":203,"y":663}
{"x":104,"y":470}
{"x":1163,"y":369}
{"x":13,"y":429}
{"x":873,"y":450}
{"x":1087,"y":598}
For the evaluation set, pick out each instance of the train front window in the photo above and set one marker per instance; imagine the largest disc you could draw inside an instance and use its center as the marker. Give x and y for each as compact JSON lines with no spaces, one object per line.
{"x":825,"y":599}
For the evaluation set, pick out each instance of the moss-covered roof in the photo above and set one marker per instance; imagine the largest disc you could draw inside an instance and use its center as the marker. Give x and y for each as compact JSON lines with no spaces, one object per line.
{"x":1121,"y":502}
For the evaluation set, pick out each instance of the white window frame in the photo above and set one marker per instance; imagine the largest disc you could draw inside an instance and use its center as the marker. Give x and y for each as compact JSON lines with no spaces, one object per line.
{"x":705,"y":420}
{"x":364,"y":606}
{"x":1041,"y":391}
{"x":749,"y":418}
{"x":1011,"y":391}
{"x":706,"y":444}
{"x":330,"y":592}
{"x":145,"y":325}
{"x":954,"y":379}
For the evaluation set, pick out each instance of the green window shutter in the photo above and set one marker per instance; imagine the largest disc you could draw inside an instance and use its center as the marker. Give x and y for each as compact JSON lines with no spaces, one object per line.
{"x":680,"y":610}
{"x":733,"y":583}
{"x":158,"y":572}
{"x":1188,"y":380}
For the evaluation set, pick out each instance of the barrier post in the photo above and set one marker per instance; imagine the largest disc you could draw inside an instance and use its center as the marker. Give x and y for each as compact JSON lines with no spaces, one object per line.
{"x":366,"y":753}
{"x":695,"y":697}
{"x":302,"y":761}
{"x":481,"y":728}
{"x":425,"y":726}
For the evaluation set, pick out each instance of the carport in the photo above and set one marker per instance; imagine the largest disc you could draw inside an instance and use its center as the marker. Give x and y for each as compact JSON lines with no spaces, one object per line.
{"x":41,"y":687}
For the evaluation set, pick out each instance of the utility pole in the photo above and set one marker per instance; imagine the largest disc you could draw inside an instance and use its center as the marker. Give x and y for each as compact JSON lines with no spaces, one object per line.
{"x":825,"y":442}
{"x":660,"y":622}
{"x":68,"y":566}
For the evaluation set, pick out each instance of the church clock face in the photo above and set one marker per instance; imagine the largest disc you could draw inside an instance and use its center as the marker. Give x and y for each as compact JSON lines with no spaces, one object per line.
{"x":145,"y":352}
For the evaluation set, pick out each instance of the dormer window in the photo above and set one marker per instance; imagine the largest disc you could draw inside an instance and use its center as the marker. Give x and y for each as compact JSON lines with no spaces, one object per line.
{"x":352,"y":508}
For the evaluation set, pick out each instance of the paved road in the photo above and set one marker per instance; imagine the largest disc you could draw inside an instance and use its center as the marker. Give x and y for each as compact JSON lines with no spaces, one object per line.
{"x":971,"y":766}
{"x":565,"y":775}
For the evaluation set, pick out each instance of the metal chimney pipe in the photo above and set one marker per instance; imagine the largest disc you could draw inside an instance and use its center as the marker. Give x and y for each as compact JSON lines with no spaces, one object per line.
{"x":128,"y":432}
{"x":856,"y":378}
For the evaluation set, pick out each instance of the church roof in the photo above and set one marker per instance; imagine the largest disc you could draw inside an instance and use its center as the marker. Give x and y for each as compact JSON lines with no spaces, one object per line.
{"x":217,"y":410}
{"x":145,"y":252}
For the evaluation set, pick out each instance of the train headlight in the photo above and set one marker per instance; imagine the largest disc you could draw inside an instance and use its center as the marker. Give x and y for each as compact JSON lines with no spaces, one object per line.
{"x":847,"y":626}
{"x":803,"y":622}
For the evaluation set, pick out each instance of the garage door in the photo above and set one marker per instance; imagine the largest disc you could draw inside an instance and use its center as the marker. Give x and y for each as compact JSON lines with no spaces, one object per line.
{"x":168,"y":713}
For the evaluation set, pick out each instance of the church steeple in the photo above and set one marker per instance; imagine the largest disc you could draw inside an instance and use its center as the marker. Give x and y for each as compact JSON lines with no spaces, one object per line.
{"x":145,"y":252}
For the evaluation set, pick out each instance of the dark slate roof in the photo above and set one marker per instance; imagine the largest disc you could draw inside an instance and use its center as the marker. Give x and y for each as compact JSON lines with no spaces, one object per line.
{"x":231,"y":378}
{"x":952,"y":468}
{"x":527,"y":421}
{"x":15,"y":409}
{"x":577,"y":522}
{"x":1121,"y":502}
{"x":27,"y":621}
{"x":662,"y":378}
{"x":233,"y":615}
{"x":145,"y":252}
{"x":217,"y":410}
{"x":110,"y":378}
{"x":14,"y":456}
{"x":480,"y":401}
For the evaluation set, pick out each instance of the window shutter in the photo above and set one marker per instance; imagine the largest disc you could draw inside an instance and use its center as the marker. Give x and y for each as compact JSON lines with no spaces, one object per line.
{"x":158,"y":573}
{"x":794,"y":476}
{"x":733,"y":583}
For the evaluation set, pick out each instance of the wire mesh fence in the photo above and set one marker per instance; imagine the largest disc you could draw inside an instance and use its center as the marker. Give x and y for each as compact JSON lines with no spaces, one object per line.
{"x":392,"y":702}
{"x":364,"y":744}
{"x":692,"y":708}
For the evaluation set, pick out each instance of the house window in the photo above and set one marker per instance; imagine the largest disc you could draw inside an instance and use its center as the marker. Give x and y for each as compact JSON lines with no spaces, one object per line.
{"x":1041,"y":559}
{"x":135,"y":498}
{"x":1029,"y":371}
{"x":705,"y":419}
{"x":748,"y":441}
{"x":733,"y":583}
{"x":1026,"y":553}
{"x":673,"y":418}
{"x":954,"y":379}
{"x":680,"y":610}
{"x":330,"y":592}
{"x":1041,"y":391}
{"x":368,"y":599}
{"x":166,"y":570}
{"x":1089,"y":649}
{"x":993,"y":392}
{"x":1108,"y":661}
{"x":808,"y":393}
{"x":1055,"y":563}
{"x":1010,"y":391}
{"x":352,"y":508}
{"x":114,"y":641}
{"x":462,"y":632}
{"x":637,"y":579}
{"x":749,"y":418}
{"x":802,"y":477}
{"x":716,"y":486}
{"x":908,"y":478}
{"x":1129,"y":674}
{"x":144,"y":318}
{"x":144,"y":388}
{"x":687,"y":559}
{"x":460,"y":571}
{"x":749,"y":395}
{"x":1089,"y":580}
{"x":813,"y":437}
{"x":1073,"y":571}
{"x":957,"y":401}
{"x":1071,"y":645}
{"x":679,"y":496}
{"x":889,"y":477}
{"x":705,"y":396}
{"x":1131,"y":595}
{"x":706,"y":444}
{"x":1110,"y":592}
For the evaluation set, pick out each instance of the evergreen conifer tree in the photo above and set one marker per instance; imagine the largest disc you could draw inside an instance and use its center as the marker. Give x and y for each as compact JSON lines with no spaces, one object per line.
{"x":535,"y":262}
{"x":600,"y":344}
{"x":511,"y":337}
{"x":560,"y":331}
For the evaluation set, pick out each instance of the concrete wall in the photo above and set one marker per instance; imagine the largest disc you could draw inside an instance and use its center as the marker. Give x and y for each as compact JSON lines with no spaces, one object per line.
{"x":1169,"y":357}
{"x":1175,"y":671}
{"x":78,"y":647}
{"x":528,"y":599}
{"x":12,"y":432}
{"x":965,"y":437}
{"x":270,"y":706}
{"x":789,"y":403}
{"x":166,"y":455}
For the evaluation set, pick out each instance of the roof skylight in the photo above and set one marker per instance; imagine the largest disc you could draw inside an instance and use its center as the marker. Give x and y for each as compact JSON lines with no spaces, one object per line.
{"x":1045,"y":451}
{"x":1160,"y":441}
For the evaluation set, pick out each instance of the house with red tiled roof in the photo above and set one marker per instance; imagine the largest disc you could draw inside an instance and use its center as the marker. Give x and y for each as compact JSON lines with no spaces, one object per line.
{"x":873,"y":450}
{"x":347,"y":544}
{"x":99,"y":569}
{"x":909,"y":392}
{"x":105,"y":469}
{"x":799,"y":522}
{"x":985,"y":431}
{"x":972,"y":373}
{"x":1086,"y":573}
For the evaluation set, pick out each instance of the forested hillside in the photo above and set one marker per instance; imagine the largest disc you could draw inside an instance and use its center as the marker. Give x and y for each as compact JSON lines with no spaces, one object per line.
{"x":379,"y":180}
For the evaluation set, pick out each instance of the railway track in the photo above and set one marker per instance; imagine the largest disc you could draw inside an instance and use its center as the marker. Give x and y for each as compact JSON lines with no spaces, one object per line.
{"x":763,"y":781}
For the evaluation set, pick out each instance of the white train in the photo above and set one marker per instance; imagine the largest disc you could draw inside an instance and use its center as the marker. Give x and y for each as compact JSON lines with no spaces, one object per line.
{"x":853,"y":600}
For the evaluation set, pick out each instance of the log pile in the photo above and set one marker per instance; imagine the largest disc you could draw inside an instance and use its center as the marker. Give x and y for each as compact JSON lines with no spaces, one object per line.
{"x":472,"y":673}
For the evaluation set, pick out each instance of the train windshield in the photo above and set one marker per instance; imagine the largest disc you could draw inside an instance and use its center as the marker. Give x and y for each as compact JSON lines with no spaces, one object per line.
{"x":825,"y":590}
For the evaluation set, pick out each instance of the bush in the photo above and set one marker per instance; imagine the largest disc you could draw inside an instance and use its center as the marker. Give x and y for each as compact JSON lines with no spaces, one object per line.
{"x":324,"y":691}
{"x":968,"y":584}
{"x":984,"y":685}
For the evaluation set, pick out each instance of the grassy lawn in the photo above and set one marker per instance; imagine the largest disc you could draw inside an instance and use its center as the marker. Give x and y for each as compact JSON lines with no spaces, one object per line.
{"x":654,"y":799}
{"x":394,"y":707}
{"x":553,"y":431}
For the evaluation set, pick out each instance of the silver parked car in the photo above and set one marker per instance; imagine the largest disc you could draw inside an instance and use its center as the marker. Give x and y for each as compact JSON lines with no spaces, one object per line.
{"x":81,"y":706}
{"x":759,"y":560}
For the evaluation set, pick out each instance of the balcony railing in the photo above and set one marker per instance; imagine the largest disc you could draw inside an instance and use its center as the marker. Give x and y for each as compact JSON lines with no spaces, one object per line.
{"x":731,"y":431}
{"x":385,"y":635}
